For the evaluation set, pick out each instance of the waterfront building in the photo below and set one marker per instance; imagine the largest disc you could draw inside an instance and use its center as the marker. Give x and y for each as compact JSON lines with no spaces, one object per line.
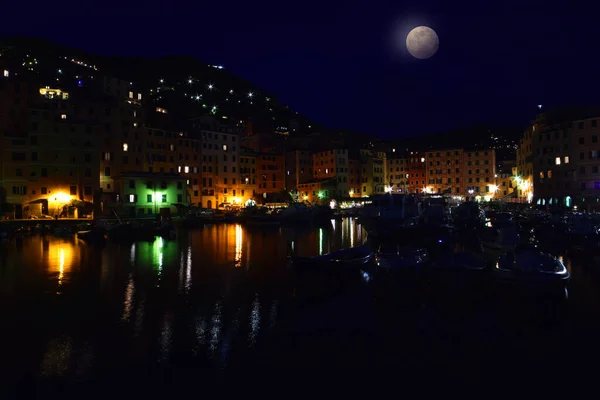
{"x":524,"y":170}
{"x":299,"y":169}
{"x":372,"y":172}
{"x":50,"y":157}
{"x":248,"y":177}
{"x":142,"y":193}
{"x":397,"y":175}
{"x":566,"y":158}
{"x":417,"y":172}
{"x":220,"y":159}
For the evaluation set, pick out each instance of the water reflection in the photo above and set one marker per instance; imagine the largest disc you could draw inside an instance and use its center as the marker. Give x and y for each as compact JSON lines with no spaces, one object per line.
{"x":152,"y":300}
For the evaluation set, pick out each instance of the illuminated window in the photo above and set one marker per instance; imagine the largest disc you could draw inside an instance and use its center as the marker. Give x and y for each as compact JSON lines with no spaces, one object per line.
{"x":179,"y":169}
{"x":566,"y":159}
{"x":131,"y":95}
{"x":132,"y":198}
{"x":549,"y":174}
{"x":135,"y":124}
{"x":224,"y":147}
{"x":125,"y":147}
{"x":63,"y":116}
{"x":541,"y":175}
{"x":422,"y":159}
{"x":172,"y":147}
{"x":186,"y":169}
{"x":6,"y":73}
{"x":557,"y":161}
{"x":139,"y":96}
{"x":134,"y":113}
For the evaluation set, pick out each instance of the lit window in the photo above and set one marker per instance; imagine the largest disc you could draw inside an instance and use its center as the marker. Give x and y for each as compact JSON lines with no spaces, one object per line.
{"x":422,"y":159}
{"x":549,"y":174}
{"x":172,"y":147}
{"x":557,"y":160}
{"x":139,"y":96}
{"x":224,"y":147}
{"x":131,"y":95}
{"x":179,"y":169}
{"x":186,"y":169}
{"x":541,"y":175}
{"x":134,"y":113}
{"x":63,"y":116}
{"x":132,"y":198}
{"x":6,"y":73}
{"x":566,"y":159}
{"x":135,"y":124}
{"x":125,"y":147}
{"x":326,"y":170}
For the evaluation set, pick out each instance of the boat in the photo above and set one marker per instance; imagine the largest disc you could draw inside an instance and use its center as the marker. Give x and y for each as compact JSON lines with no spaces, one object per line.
{"x":497,"y":241}
{"x":355,"y":258}
{"x":533,"y":271}
{"x":396,"y":258}
{"x":89,"y":233}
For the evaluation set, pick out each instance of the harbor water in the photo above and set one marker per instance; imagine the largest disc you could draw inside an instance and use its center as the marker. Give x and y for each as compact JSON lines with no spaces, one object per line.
{"x":220,"y":304}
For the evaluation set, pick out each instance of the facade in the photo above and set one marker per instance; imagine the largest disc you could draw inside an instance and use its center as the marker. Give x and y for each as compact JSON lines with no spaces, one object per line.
{"x":331,"y":167}
{"x":417,"y":172}
{"x":220,"y":158}
{"x":354,"y":186}
{"x":52,"y":162}
{"x":445,"y":172}
{"x":271,"y":171}
{"x":248,"y":176}
{"x":318,"y":191}
{"x":372,"y":172}
{"x":524,"y":171}
{"x":479,"y":174}
{"x":141,"y":193}
{"x":299,"y":169}
{"x":397,"y":173}
{"x":566,"y":160}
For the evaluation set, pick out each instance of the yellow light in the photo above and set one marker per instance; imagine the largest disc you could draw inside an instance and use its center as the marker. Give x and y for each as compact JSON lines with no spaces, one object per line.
{"x":493,"y":188}
{"x":236,"y":200}
{"x":61,"y":197}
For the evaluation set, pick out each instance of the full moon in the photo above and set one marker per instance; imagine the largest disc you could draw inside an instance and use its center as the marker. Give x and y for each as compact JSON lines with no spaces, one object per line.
{"x":422,"y":42}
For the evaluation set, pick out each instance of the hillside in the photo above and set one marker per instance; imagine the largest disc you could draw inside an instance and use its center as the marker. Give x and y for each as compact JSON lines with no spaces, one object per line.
{"x":186,"y":85}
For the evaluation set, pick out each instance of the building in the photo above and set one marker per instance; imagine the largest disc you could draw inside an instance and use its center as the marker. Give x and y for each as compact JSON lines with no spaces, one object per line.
{"x":372,"y":172}
{"x":417,"y":172}
{"x":354,"y":172}
{"x":445,"y":172}
{"x":248,"y":176}
{"x":299,"y":169}
{"x":524,"y":168}
{"x":330,"y":167}
{"x":566,"y":159}
{"x":479,"y":175}
{"x":141,"y":193}
{"x":53,"y":162}
{"x":318,"y":190}
{"x":271,"y":172}
{"x":396,"y":173}
{"x":220,"y":159}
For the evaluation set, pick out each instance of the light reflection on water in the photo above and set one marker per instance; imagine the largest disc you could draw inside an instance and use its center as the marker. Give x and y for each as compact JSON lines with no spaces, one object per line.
{"x":187,"y":296}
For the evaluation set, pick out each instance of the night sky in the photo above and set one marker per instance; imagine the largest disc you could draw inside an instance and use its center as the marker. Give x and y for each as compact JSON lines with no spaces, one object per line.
{"x":338,"y":62}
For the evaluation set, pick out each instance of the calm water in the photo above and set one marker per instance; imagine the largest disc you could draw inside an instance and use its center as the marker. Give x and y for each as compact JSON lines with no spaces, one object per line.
{"x":219,"y":302}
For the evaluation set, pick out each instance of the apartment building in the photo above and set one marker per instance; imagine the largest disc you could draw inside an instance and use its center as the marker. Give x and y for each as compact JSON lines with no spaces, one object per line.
{"x":372,"y":172}
{"x":271,"y":171}
{"x":479,"y":168}
{"x":248,"y":186}
{"x":566,"y":158}
{"x":524,"y":169}
{"x":397,"y":175}
{"x":54,"y":160}
{"x":220,"y":158}
{"x":417,"y":172}
{"x":298,"y":169}
{"x":444,"y":172}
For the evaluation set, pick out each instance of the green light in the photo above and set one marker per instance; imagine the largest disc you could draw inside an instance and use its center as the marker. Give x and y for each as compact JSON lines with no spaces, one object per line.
{"x":321,"y":195}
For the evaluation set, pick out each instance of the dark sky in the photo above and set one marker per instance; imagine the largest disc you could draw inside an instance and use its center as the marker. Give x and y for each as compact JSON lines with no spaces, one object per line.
{"x":338,"y":62}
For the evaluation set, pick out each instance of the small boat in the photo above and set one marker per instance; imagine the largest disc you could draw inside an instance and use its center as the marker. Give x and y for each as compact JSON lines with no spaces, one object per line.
{"x":93,"y":235}
{"x":395,"y":258}
{"x":499,"y":241}
{"x":532,"y":270}
{"x":354,"y":258}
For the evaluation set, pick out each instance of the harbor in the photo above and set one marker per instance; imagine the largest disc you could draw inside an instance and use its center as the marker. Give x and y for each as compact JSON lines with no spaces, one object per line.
{"x":452,"y":298}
